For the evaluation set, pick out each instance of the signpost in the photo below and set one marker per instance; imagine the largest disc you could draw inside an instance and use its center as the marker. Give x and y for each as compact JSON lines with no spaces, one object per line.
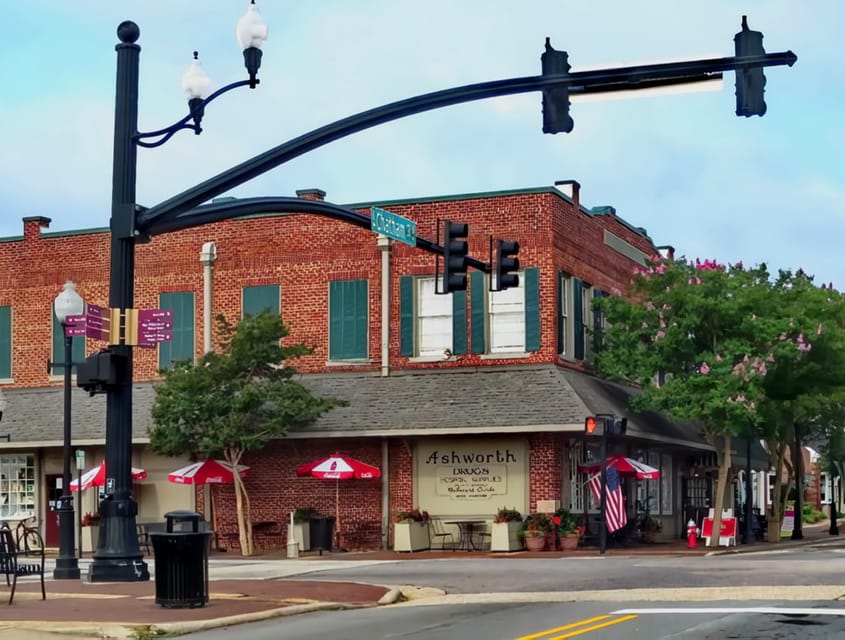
{"x":154,"y":326}
{"x":75,"y":326}
{"x":393,"y":226}
{"x":97,"y":322}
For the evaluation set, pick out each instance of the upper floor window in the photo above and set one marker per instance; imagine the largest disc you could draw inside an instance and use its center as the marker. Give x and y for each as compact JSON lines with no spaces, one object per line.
{"x":506,"y":321}
{"x":348,"y":320}
{"x":5,"y":342}
{"x":77,"y":349}
{"x":182,"y":347}
{"x":256,"y":299}
{"x":575,"y":316}
{"x":432,"y":326}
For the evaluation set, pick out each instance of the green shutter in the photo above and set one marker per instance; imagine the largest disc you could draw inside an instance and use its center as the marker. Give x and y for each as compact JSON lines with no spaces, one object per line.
{"x":577,"y":319}
{"x":182,"y":345}
{"x":77,"y":353}
{"x":5,"y":342}
{"x":406,"y":312}
{"x":348,"y":315}
{"x":560,"y":302}
{"x":459,"y":322}
{"x":260,"y":298}
{"x":478,"y":311}
{"x":532,"y":309}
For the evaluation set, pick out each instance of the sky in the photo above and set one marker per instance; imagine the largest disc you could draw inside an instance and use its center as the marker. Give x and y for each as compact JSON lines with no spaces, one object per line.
{"x":684,"y":167}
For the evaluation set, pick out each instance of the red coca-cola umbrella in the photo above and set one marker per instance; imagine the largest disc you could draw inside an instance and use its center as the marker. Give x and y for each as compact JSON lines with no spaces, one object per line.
{"x":207,"y":472}
{"x":338,"y":467}
{"x":96,"y":477}
{"x":627,"y":467}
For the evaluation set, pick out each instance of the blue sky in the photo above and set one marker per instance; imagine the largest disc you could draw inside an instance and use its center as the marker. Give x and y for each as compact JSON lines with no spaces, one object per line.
{"x":682,"y":166}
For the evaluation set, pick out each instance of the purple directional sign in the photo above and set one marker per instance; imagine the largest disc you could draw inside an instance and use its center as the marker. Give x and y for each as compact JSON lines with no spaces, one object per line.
{"x":154,"y":326}
{"x":98,"y":322}
{"x":75,"y":326}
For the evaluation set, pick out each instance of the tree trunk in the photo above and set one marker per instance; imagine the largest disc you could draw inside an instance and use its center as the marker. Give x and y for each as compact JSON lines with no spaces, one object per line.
{"x":242,"y":504}
{"x":723,"y":456}
{"x":798,"y":467}
{"x":774,"y":516}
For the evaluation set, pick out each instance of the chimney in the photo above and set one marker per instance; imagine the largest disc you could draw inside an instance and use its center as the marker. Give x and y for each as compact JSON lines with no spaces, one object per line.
{"x":573,"y":192}
{"x":311,"y":194}
{"x":32,"y":226}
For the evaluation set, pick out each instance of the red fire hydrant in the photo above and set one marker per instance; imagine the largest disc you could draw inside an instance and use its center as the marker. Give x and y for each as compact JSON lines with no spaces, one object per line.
{"x":692,"y":534}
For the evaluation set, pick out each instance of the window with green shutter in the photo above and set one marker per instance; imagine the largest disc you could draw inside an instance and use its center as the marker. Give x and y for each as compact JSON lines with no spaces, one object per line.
{"x":77,"y":349}
{"x":348,"y":320}
{"x":182,"y":347}
{"x":261,"y":298}
{"x":5,"y":342}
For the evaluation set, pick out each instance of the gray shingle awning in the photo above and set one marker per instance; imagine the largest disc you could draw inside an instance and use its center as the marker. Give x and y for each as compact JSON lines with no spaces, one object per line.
{"x":508,"y":399}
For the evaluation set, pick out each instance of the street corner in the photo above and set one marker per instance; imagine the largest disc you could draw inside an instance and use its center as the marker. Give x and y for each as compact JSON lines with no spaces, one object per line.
{"x":405,"y":593}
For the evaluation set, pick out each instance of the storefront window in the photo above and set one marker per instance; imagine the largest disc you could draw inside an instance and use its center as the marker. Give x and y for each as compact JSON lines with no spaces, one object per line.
{"x":17,"y":486}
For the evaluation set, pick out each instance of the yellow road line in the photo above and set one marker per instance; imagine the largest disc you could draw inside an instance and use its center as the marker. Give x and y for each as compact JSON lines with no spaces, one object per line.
{"x":563,"y":628}
{"x":594,"y":627}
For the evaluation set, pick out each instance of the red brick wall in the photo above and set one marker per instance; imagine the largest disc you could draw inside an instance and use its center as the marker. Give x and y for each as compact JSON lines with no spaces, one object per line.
{"x":545,"y":468}
{"x":302,"y":253}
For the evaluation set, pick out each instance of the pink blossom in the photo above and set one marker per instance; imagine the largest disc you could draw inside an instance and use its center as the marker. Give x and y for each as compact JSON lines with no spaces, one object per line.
{"x":660,"y":334}
{"x":704,"y":369}
{"x":718,"y":358}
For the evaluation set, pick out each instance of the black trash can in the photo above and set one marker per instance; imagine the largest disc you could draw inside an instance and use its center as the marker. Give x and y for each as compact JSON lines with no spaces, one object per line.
{"x":321,"y":531}
{"x":181,"y":561}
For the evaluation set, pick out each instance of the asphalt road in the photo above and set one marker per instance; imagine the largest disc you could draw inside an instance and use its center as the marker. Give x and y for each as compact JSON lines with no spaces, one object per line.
{"x":780,"y":594}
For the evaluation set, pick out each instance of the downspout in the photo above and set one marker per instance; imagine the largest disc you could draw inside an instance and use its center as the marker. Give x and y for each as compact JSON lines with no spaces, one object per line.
{"x":208,"y":254}
{"x":383,"y":244}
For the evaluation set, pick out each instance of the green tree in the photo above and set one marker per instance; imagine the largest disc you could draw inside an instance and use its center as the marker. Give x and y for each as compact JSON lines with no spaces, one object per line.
{"x":690,"y":337}
{"x":234,"y":401}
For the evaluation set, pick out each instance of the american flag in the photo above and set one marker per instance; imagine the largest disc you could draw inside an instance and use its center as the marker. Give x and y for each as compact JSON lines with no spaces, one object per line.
{"x":614,"y":511}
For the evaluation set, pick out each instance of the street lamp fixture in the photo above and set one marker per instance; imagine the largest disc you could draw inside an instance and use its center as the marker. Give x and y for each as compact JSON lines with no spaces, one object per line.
{"x":67,"y":303}
{"x":118,"y":556}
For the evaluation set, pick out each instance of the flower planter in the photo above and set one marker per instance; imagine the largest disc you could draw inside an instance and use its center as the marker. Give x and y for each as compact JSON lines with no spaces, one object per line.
{"x":569,"y":541}
{"x":90,"y":537}
{"x":535,"y":542}
{"x":504,"y":536}
{"x":410,"y":536}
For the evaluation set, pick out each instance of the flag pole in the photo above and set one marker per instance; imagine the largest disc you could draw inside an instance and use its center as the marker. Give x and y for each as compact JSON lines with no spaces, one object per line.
{"x":603,"y":502}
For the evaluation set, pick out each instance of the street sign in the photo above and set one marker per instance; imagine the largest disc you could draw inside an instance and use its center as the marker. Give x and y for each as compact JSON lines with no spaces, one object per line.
{"x":75,"y":326}
{"x":97,"y":322}
{"x":154,"y":326}
{"x":393,"y":226}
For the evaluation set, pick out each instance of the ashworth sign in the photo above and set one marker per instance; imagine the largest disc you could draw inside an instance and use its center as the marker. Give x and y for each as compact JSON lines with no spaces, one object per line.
{"x":465,"y":477}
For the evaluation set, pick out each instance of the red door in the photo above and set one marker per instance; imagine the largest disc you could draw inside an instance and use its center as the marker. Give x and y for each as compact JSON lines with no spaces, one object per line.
{"x":51,"y":516}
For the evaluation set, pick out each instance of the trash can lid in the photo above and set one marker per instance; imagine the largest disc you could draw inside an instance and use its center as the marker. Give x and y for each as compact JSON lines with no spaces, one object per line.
{"x":183,"y":514}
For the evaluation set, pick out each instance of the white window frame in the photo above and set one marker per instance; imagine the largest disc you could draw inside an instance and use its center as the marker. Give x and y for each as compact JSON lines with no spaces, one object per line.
{"x":566,"y":315}
{"x":433,"y":319}
{"x":507,"y":308}
{"x":587,"y":318}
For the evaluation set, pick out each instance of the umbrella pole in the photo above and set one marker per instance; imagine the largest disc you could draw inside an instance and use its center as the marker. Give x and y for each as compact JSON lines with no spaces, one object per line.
{"x":337,"y":510}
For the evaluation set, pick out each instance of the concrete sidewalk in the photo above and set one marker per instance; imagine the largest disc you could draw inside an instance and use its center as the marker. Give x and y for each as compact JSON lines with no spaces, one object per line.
{"x":247,"y":589}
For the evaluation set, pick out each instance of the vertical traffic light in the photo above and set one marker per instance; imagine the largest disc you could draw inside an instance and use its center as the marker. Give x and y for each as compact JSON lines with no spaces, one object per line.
{"x":556,"y":117}
{"x":506,"y":264}
{"x":455,"y":251}
{"x":750,"y":81}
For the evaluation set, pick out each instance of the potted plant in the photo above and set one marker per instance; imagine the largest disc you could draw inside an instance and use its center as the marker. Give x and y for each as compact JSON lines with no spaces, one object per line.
{"x":504,"y":533}
{"x":410,"y":531}
{"x":567,"y":530}
{"x":534,"y":529}
{"x":302,"y":528}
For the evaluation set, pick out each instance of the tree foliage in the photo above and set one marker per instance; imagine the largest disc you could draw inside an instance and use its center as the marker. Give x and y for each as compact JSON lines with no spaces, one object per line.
{"x":235,"y":400}
{"x":729,"y":348}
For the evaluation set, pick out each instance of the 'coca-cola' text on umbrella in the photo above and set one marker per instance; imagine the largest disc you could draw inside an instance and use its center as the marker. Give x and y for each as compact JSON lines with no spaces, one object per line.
{"x":96,"y":477}
{"x":207,"y":472}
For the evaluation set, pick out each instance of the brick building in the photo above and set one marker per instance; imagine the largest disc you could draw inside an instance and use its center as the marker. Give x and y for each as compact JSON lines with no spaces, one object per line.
{"x":467,"y":402}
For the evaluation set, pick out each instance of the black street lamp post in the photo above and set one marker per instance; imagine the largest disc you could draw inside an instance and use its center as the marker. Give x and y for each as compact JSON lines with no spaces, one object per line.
{"x":68,"y":303}
{"x":118,"y":556}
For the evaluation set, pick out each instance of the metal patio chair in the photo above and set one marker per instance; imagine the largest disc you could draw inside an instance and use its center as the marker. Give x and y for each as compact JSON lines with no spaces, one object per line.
{"x":437,"y":530}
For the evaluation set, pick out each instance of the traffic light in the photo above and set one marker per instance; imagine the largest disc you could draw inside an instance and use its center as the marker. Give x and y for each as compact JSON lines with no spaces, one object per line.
{"x":455,"y":257}
{"x":618,"y":426}
{"x":750,"y":81}
{"x":506,"y":264}
{"x":594,"y":426}
{"x":556,"y":117}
